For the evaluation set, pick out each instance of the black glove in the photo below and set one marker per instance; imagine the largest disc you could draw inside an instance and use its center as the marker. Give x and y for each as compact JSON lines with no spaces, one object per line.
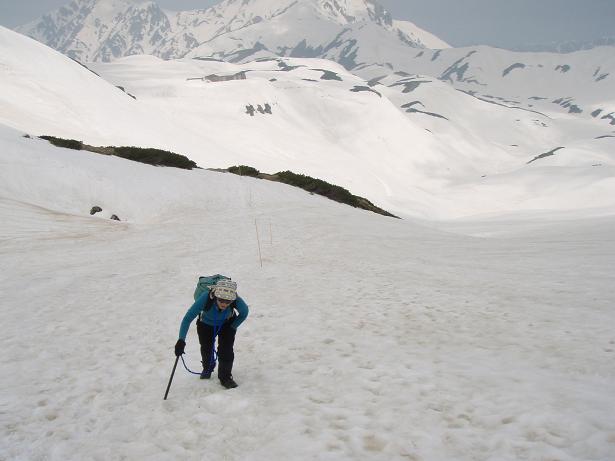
{"x":179,"y":347}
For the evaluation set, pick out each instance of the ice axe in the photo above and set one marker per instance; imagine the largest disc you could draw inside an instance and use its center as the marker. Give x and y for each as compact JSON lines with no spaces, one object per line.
{"x":171,"y":378}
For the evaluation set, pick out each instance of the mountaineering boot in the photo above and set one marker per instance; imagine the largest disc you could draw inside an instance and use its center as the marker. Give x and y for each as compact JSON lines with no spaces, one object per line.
{"x":207,"y":370}
{"x":228,"y":382}
{"x":205,"y":374}
{"x":224,"y":375}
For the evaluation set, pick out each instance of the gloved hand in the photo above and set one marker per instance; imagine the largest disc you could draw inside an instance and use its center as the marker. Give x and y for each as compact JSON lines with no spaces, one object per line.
{"x":179,"y":347}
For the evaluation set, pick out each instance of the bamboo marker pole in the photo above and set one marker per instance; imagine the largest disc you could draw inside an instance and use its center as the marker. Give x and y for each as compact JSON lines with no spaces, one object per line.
{"x":260,"y":256}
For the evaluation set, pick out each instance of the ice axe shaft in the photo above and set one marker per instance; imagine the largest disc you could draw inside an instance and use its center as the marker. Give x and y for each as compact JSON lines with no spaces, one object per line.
{"x":171,"y":378}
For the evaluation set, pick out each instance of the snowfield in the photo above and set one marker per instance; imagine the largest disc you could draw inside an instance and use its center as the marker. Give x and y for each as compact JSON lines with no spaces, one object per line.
{"x":479,"y":328}
{"x":369,"y":338}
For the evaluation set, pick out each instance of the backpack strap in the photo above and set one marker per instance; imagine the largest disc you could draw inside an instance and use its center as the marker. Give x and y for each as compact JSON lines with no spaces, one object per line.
{"x":209,"y":303}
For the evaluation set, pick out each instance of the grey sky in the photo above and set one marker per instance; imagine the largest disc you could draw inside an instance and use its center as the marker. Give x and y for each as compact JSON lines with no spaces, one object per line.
{"x":503,"y":23}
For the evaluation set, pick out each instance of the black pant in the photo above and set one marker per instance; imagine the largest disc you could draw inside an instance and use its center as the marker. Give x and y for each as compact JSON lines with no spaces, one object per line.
{"x":226,"y":340}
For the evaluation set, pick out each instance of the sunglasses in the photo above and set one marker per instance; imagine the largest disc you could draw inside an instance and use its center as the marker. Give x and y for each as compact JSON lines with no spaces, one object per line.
{"x":223,"y":301}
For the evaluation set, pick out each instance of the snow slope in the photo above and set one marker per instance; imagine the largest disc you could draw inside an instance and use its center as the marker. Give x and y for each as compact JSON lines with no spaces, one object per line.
{"x":574,"y":85}
{"x":295,"y":134}
{"x":44,"y":90}
{"x":324,"y":122}
{"x":368,"y":337}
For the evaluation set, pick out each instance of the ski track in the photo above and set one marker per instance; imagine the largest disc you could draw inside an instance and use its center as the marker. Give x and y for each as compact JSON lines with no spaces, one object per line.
{"x":368,"y":338}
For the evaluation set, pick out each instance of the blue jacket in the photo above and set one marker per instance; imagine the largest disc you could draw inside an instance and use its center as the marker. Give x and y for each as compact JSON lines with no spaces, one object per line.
{"x":214,"y":316}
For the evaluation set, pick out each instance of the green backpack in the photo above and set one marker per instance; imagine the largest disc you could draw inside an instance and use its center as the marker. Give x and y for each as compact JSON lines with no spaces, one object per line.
{"x":206,"y":283}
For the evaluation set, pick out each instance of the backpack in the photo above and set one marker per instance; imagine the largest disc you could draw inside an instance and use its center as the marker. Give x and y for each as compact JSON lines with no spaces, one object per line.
{"x":206,"y":283}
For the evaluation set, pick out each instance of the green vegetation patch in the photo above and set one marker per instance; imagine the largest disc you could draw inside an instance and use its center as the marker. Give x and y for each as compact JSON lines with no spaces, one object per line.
{"x":314,"y":186}
{"x":244,"y":170}
{"x":155,"y":157}
{"x":149,"y":156}
{"x":331,"y":191}
{"x":317,"y":186}
{"x":67,"y":143}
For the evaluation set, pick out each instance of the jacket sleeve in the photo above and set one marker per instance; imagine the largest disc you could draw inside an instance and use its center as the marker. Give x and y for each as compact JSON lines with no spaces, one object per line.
{"x":192,"y":313}
{"x":242,"y":311}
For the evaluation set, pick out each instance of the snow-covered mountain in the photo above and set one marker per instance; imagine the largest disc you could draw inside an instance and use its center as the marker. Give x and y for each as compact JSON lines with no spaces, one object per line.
{"x":580,"y":84}
{"x":413,"y":145}
{"x":102,"y":30}
{"x":322,"y":121}
{"x":358,"y":34}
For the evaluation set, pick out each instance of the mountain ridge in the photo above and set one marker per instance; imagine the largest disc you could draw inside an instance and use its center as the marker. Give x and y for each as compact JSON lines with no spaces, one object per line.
{"x":566,"y":47}
{"x":103,"y":30}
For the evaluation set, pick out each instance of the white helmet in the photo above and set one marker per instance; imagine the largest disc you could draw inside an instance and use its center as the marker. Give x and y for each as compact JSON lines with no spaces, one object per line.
{"x":225,"y":289}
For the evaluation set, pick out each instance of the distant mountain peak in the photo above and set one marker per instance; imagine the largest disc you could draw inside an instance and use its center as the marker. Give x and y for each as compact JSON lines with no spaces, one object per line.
{"x":352,"y":11}
{"x":103,"y":30}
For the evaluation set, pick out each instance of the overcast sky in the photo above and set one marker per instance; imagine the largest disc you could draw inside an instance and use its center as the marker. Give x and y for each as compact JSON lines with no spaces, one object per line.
{"x":503,"y":23}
